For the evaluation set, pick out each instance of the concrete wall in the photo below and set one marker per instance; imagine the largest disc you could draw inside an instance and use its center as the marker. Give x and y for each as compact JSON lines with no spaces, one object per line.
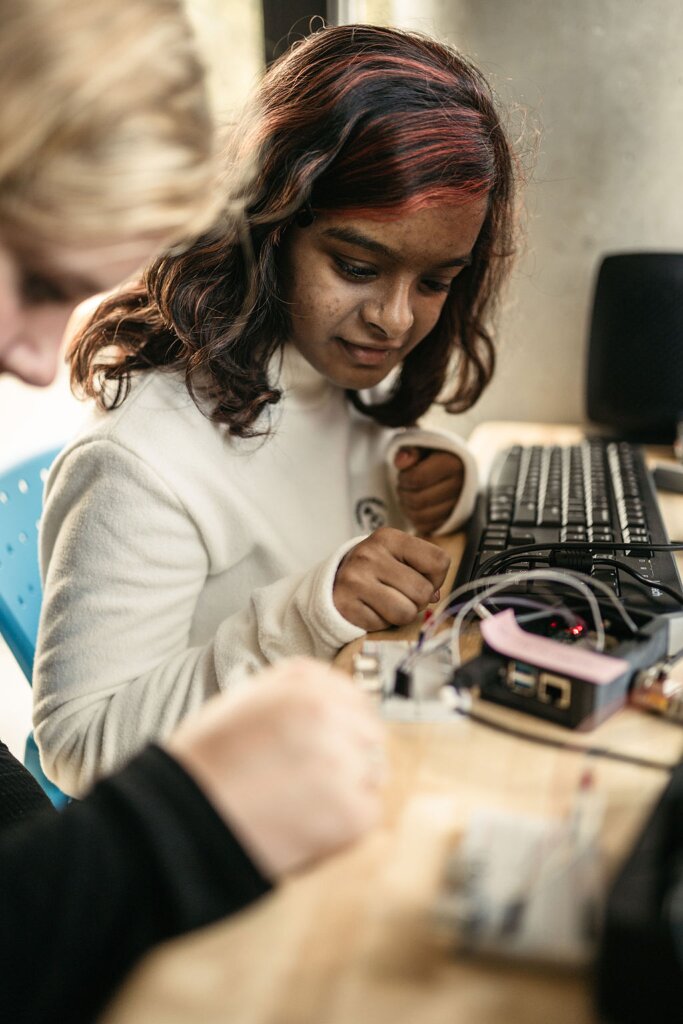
{"x":603,"y":80}
{"x":230,"y":39}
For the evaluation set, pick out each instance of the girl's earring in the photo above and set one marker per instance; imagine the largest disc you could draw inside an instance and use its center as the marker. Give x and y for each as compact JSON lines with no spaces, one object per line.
{"x":305,"y":217}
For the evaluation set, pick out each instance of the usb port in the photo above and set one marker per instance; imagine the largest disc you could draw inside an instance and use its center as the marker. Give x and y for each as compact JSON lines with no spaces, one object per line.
{"x":521,"y":678}
{"x":555,"y":690}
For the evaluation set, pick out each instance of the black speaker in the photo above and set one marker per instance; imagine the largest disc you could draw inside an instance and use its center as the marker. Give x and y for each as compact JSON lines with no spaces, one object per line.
{"x":635,"y":356}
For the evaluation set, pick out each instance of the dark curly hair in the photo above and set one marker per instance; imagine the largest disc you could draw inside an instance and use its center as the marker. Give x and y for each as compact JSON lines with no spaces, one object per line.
{"x":355,"y":119}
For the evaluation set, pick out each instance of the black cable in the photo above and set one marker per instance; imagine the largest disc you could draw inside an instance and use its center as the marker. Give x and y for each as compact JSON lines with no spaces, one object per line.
{"x":578,"y":748}
{"x":518,"y":555}
{"x":513,"y":558}
{"x":490,"y":566}
{"x":516,"y":558}
{"x":620,"y":564}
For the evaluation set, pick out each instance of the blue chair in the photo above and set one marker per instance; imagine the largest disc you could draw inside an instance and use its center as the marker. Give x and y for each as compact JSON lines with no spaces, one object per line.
{"x":21,"y":499}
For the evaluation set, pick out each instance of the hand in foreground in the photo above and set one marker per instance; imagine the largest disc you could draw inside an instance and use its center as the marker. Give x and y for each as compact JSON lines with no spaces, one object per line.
{"x":429,"y":484}
{"x":388,"y":578}
{"x":292,"y":762}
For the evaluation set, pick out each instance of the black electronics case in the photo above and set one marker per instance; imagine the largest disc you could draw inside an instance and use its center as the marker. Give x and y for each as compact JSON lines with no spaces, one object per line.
{"x":639,"y":971}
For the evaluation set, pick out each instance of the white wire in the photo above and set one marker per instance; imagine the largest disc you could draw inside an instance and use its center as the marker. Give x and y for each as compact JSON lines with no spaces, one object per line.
{"x":445,"y":612}
{"x":512,"y":579}
{"x":605,"y":589}
{"x":434,"y":642}
{"x":597,"y":584}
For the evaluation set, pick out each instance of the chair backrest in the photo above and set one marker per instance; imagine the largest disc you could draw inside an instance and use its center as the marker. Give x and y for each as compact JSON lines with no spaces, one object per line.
{"x":21,"y":498}
{"x":21,"y":503}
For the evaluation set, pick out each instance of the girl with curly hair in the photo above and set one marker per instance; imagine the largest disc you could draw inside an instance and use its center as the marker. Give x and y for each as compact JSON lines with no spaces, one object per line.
{"x":253,"y":483}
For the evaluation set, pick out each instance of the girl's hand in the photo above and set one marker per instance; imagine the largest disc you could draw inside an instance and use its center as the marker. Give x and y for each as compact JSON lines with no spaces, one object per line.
{"x":388,"y":578}
{"x":429,"y":484}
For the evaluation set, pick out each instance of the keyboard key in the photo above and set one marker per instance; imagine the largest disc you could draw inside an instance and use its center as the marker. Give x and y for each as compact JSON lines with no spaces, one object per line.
{"x":608,"y":576}
{"x":525,"y":513}
{"x":518,"y":538}
{"x":510,"y":469}
{"x":536,"y":488}
{"x":551,"y":515}
{"x":495,"y":545}
{"x":576,"y":517}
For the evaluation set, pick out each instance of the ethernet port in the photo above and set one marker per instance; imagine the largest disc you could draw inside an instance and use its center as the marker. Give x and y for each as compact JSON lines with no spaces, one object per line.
{"x":521,"y":678}
{"x":555,"y":690}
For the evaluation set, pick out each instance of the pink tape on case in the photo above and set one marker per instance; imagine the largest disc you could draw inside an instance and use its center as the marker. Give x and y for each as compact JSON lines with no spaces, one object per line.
{"x":502,"y":633}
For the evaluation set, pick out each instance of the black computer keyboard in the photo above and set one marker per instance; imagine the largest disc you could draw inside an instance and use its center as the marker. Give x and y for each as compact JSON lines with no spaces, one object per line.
{"x":598,"y":492}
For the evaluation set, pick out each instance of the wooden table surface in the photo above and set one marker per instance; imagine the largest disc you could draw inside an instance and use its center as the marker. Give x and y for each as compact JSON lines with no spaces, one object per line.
{"x":353,"y":941}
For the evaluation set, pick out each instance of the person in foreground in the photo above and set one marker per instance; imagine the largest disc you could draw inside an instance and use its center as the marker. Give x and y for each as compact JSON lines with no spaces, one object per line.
{"x":243,"y":493}
{"x":105,"y":153}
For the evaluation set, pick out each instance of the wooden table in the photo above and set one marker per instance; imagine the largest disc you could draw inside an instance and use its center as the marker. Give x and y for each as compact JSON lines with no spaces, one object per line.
{"x":352,"y":941}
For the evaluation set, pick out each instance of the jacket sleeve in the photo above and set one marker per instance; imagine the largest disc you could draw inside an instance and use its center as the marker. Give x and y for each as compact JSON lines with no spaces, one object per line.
{"x":124,"y":565}
{"x":442,"y":441}
{"x":85,"y":892}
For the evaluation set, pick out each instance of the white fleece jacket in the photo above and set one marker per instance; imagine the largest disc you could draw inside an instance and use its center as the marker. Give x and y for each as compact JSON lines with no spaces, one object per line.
{"x":176,"y":559}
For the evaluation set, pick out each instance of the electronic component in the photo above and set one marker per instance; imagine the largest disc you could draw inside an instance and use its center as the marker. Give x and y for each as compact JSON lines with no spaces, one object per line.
{"x":527,"y":888}
{"x":639,"y":970}
{"x":564,"y":680}
{"x":590,"y":507}
{"x":406,"y":694}
{"x":668,"y":478}
{"x":654,"y":691}
{"x":569,"y":685}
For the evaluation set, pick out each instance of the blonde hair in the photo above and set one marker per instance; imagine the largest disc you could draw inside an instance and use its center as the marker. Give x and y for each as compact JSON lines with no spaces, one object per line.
{"x":105,"y":130}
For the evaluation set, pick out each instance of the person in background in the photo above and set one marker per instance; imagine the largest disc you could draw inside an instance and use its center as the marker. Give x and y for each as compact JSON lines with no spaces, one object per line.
{"x":106,"y":155}
{"x":233,"y":486}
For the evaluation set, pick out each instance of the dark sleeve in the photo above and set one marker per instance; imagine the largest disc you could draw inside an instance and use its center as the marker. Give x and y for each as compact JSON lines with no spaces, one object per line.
{"x":639,"y":969}
{"x":85,"y":892}
{"x":20,"y":794}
